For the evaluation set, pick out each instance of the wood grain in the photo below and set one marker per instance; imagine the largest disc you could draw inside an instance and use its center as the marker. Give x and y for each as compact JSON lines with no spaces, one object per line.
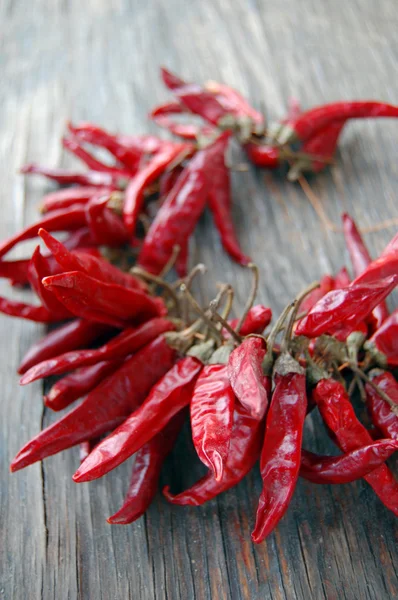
{"x":99,"y":60}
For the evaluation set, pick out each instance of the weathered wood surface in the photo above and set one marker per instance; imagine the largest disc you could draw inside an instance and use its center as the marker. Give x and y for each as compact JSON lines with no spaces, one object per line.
{"x":99,"y":60}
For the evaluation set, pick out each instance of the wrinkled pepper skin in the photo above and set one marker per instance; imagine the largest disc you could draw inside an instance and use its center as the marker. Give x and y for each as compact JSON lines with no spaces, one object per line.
{"x":146,"y":471}
{"x":382,"y":416}
{"x":170,"y":395}
{"x":338,"y":414}
{"x":245,"y":446}
{"x":212,"y":407}
{"x":127,"y":388}
{"x":246,"y":376}
{"x":281,"y":453}
{"x":383,"y":345}
{"x":348,"y":467}
{"x":351,"y":304}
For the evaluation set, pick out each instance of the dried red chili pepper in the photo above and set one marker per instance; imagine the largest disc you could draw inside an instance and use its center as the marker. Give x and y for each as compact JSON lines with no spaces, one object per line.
{"x":281,"y":453}
{"x":88,"y":132}
{"x":262,"y":155}
{"x":246,"y":439}
{"x":383,"y":345}
{"x":105,"y":407}
{"x":212,"y":407}
{"x":257,"y":319}
{"x":61,"y":220}
{"x":170,"y":395}
{"x":195,"y":98}
{"x":186,"y":131}
{"x":91,"y":265}
{"x":72,"y":336}
{"x":342,"y":279}
{"x":16,"y":271}
{"x":127,"y":342}
{"x":384,"y":266}
{"x":79,"y":383}
{"x":167,"y":181}
{"x":247,"y":378}
{"x":172,"y":107}
{"x":65,"y":198}
{"x":105,"y":226}
{"x":134,"y":197}
{"x":181,"y":210}
{"x":146,"y":470}
{"x":382,"y":416}
{"x":108,"y":303}
{"x":347,"y":467}
{"x":337,"y":412}
{"x":360,"y":259}
{"x":311,"y":121}
{"x":65,"y":177}
{"x":326,"y":284}
{"x":220,"y":204}
{"x":353,"y":303}
{"x":37,"y":270}
{"x":38,"y":314}
{"x":234,"y":102}
{"x":145,"y":144}
{"x":93,"y":163}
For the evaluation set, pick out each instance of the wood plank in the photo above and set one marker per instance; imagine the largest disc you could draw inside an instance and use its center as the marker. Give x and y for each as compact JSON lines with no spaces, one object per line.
{"x":101,"y":63}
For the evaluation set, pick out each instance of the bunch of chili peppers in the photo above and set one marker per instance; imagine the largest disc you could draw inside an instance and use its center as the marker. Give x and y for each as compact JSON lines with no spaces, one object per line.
{"x":164,"y":186}
{"x":135,"y":356}
{"x":248,"y":395}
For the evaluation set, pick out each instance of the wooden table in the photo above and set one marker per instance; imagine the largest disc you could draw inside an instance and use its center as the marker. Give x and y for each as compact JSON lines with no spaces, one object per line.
{"x":99,"y":60}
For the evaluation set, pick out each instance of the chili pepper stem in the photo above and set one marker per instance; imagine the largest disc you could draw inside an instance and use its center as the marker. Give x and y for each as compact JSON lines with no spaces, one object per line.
{"x":295,"y":306}
{"x":171,"y":262}
{"x":184,"y":290}
{"x":227,"y":326}
{"x":158,"y":281}
{"x":269,"y":357}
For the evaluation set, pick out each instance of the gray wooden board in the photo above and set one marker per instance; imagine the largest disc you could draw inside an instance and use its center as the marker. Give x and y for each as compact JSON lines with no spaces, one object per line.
{"x":99,"y":60}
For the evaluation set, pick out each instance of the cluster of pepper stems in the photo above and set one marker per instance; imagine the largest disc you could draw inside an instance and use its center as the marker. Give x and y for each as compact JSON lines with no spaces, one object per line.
{"x":159,"y":353}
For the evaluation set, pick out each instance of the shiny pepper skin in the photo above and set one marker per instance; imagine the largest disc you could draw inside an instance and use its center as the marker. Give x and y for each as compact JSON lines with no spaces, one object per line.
{"x":170,"y":395}
{"x":383,"y":345}
{"x":382,"y":416}
{"x":247,"y":378}
{"x":281,"y":453}
{"x":212,"y":408}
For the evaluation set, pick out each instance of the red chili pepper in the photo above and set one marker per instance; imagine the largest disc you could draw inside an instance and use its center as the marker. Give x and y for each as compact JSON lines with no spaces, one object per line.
{"x":257,"y":319}
{"x":146,"y":470}
{"x":263,"y":156}
{"x":246,"y":376}
{"x":172,"y":107}
{"x":181,"y":210}
{"x":170,"y":395}
{"x":96,"y":267}
{"x":233,"y":101}
{"x":220,"y":204}
{"x":245,"y":446}
{"x":146,"y":144}
{"x":382,"y":416}
{"x":38,"y":314}
{"x":212,"y":408}
{"x":353,"y":303}
{"x":109,"y":303}
{"x":383,"y":345}
{"x":339,"y":416}
{"x":79,"y":383}
{"x":62,"y":220}
{"x":76,"y":334}
{"x":106,"y":227}
{"x":315,"y":119}
{"x":65,"y":177}
{"x":93,"y":163}
{"x":187,"y":131}
{"x":348,"y":467}
{"x":360,"y":259}
{"x":196,"y":99}
{"x":16,"y":271}
{"x":281,"y":453}
{"x":65,"y":198}
{"x":105,"y":407}
{"x":326,"y":284}
{"x":385,"y":265}
{"x":134,"y":197}
{"x":127,"y":342}
{"x":88,"y":132}
{"x":322,"y":144}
